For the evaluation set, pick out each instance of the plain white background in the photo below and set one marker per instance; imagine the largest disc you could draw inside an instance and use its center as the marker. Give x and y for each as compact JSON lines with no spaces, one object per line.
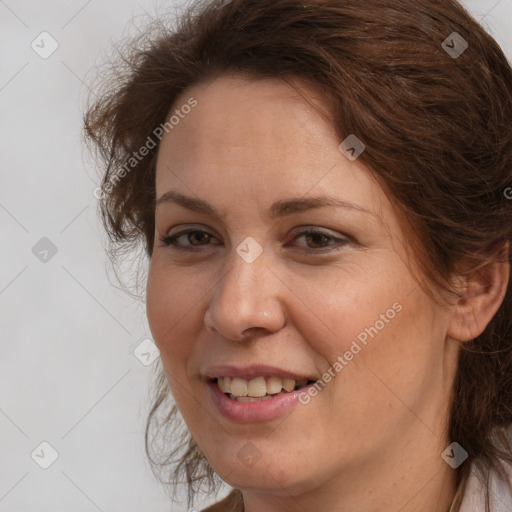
{"x":69,"y":376}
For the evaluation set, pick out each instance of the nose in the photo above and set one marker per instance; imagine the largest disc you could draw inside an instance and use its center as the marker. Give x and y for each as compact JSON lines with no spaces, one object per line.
{"x":247,"y":301}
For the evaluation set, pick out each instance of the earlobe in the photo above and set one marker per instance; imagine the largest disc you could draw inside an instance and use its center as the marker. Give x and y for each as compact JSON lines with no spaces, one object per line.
{"x":481,"y":294}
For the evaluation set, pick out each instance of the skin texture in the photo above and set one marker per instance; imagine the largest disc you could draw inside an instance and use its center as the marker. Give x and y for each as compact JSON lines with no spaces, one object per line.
{"x":371,"y":440}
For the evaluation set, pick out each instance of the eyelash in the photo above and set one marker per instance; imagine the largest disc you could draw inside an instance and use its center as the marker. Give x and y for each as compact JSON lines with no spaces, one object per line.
{"x":170,"y":241}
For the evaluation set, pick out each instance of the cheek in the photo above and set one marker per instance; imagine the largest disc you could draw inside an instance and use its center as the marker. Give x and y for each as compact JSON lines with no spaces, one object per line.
{"x":392,"y":371}
{"x":173,"y":299}
{"x":173,"y":311}
{"x":351,"y":303}
{"x":375,"y":330}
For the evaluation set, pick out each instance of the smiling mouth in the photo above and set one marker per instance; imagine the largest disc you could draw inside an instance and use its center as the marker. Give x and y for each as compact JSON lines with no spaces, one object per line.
{"x":259,"y":388}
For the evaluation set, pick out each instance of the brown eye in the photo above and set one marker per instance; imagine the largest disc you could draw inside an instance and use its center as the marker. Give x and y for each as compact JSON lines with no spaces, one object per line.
{"x":318,"y":241}
{"x":190,"y":235}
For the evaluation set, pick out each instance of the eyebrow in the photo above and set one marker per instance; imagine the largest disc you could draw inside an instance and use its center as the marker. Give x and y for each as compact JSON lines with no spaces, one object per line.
{"x":279,"y":209}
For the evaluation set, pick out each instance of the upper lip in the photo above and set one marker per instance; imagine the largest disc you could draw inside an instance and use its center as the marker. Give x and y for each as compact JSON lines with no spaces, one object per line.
{"x":252,"y":371}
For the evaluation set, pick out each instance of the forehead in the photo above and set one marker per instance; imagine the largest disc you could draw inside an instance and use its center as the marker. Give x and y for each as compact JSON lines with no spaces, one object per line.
{"x":256,"y":142}
{"x":265,"y":126}
{"x":234,"y":112}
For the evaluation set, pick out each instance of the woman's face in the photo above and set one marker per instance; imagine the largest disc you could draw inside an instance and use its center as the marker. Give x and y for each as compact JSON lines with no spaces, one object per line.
{"x":248,"y":295}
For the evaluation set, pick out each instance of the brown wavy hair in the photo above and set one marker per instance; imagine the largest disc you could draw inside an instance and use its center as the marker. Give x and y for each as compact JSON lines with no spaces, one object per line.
{"x":438,"y":135}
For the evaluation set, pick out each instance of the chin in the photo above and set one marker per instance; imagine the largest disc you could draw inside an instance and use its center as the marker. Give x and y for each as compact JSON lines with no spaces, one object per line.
{"x":272,"y":474}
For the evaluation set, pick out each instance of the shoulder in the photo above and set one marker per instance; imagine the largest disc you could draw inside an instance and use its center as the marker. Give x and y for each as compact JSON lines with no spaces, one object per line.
{"x":498,"y":491}
{"x":476,"y":493}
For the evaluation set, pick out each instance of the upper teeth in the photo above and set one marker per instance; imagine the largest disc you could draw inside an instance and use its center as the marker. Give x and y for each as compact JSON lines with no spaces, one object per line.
{"x":257,"y":387}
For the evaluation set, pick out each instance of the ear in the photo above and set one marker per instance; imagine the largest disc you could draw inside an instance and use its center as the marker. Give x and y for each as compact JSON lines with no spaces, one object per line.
{"x":481,"y":293}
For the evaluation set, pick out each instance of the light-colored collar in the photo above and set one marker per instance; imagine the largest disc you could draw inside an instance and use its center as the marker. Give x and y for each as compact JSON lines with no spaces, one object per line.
{"x":500,"y":498}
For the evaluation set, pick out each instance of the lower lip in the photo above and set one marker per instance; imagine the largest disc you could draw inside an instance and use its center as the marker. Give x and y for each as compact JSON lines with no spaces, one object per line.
{"x":247,"y":412}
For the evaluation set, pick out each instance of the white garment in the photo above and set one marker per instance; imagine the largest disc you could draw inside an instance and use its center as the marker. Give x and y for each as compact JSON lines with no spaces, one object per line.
{"x":500,"y":499}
